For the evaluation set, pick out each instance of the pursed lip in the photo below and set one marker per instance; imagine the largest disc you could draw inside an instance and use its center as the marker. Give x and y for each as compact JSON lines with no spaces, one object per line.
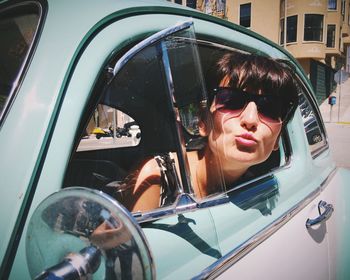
{"x":246,"y":139}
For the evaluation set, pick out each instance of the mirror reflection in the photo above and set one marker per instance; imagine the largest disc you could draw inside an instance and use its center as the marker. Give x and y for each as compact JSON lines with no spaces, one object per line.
{"x":78,"y":233}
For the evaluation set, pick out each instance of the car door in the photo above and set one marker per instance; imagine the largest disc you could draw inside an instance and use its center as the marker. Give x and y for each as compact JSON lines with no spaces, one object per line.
{"x":146,"y":100}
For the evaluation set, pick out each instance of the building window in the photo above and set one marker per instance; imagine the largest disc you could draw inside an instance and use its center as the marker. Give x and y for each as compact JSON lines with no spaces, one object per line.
{"x":191,"y":3}
{"x":292,"y":23}
{"x":332,"y":5}
{"x":313,"y":28}
{"x":178,"y":2}
{"x":330,"y":35}
{"x":245,"y":15}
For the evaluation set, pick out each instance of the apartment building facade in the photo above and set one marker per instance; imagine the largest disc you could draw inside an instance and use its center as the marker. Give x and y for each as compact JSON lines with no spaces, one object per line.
{"x":317,"y":31}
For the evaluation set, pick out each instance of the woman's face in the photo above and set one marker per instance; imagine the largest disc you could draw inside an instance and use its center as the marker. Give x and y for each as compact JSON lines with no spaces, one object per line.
{"x":241,"y":140}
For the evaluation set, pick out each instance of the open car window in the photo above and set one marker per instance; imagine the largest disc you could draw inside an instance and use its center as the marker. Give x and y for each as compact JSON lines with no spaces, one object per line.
{"x":134,"y":141}
{"x":142,"y":137}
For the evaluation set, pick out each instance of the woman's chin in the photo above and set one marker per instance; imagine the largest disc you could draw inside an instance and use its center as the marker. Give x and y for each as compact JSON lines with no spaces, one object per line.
{"x":244,"y":158}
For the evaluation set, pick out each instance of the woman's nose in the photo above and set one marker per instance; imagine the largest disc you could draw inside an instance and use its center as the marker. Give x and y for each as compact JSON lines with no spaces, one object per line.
{"x":250,"y":117}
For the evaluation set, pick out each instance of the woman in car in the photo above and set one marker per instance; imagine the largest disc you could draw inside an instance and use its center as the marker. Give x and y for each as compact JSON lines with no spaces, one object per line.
{"x":254,"y":98}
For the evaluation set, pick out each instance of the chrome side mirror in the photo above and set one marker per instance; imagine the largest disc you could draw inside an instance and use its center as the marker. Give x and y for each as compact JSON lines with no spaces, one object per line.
{"x":79,"y":233}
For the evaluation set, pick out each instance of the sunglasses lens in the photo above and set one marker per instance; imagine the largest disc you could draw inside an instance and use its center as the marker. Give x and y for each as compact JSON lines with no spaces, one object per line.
{"x":228,"y":100}
{"x":270,"y":108}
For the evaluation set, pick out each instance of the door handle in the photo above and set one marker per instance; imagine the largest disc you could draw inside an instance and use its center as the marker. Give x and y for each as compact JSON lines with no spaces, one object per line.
{"x":325,"y":211}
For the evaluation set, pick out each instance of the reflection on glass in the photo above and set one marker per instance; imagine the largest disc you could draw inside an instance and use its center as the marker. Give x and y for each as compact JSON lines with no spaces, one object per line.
{"x":261,"y":195}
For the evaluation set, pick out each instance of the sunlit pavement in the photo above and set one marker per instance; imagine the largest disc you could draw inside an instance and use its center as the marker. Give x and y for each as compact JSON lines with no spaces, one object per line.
{"x":337,"y":122}
{"x":92,"y":143}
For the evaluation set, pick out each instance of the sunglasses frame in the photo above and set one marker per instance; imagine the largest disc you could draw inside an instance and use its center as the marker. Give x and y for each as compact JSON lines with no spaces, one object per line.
{"x":252,"y":97}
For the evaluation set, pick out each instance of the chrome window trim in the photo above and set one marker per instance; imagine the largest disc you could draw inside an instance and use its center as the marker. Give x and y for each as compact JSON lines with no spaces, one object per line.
{"x":184,"y":203}
{"x":21,"y":73}
{"x":149,"y":41}
{"x":224,"y":47}
{"x":221,"y":265}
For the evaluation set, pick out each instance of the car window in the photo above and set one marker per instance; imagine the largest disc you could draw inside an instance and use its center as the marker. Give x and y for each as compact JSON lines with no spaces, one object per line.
{"x":149,"y":116}
{"x":138,"y":93}
{"x":314,"y":133}
{"x":18,"y":28}
{"x":109,"y":128}
{"x":133,"y":144}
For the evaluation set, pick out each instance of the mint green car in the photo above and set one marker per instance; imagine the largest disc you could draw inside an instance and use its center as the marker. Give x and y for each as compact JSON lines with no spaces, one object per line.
{"x":67,"y":67}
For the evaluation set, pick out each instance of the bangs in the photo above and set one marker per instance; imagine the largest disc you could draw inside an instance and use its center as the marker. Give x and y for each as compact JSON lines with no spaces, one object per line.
{"x":259,"y":75}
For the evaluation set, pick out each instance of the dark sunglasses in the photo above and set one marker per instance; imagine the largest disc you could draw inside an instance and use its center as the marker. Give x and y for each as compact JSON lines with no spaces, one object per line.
{"x":269,"y":106}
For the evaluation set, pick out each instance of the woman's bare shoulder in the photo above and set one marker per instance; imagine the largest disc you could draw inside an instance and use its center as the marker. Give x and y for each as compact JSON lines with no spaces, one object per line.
{"x":146,"y":192}
{"x":149,"y":169}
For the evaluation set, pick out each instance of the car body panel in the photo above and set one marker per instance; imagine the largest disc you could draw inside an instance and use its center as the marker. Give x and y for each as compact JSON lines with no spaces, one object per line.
{"x":194,"y":233}
{"x":336,"y":192}
{"x":291,"y":239}
{"x":328,"y":238}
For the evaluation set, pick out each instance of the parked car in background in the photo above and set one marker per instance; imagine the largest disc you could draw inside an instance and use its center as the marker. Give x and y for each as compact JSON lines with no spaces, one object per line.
{"x":62,"y":206}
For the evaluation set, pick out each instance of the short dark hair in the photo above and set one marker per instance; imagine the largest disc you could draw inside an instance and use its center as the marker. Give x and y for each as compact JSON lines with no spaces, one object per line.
{"x":260,"y":74}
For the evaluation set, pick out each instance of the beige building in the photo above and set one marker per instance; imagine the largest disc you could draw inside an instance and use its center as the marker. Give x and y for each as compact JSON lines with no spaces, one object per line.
{"x":318,"y":31}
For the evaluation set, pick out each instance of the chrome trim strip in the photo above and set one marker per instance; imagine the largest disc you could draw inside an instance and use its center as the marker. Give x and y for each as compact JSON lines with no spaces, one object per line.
{"x":319,"y":151}
{"x":148,"y":41}
{"x":329,"y":177}
{"x":224,"y":47}
{"x":235,"y":255}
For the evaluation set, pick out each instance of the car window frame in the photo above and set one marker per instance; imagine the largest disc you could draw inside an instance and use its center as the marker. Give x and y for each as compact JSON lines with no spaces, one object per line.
{"x":186,"y":202}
